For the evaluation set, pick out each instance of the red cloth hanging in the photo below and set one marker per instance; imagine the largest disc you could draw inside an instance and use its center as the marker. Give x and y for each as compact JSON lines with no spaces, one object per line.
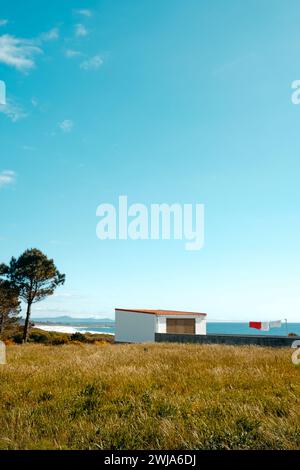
{"x":255,"y":324}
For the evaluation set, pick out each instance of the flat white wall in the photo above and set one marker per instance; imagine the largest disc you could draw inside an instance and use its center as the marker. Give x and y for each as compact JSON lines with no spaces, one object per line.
{"x":161,"y":324}
{"x":134,"y":327}
{"x":200,"y":326}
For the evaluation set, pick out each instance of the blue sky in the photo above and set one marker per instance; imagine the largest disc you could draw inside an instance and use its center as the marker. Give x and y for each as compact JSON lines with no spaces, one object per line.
{"x":169,"y":101}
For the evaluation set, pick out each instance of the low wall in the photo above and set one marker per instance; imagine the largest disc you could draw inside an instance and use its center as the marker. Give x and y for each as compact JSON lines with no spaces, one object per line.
{"x":274,"y":341}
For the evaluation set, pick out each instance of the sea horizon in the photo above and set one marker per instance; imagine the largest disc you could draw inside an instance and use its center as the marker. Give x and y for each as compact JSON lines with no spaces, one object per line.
{"x":213,"y":327}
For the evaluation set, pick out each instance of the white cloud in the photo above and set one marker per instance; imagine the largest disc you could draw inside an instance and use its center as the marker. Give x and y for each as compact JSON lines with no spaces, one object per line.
{"x":34,"y":102}
{"x":66,"y":125}
{"x":27,"y":147}
{"x":3,"y":22}
{"x":17,"y":52}
{"x":71,"y":53}
{"x":93,"y":63}
{"x":80,"y":30}
{"x":84,"y":12}
{"x":12,"y":110}
{"x":7,"y":177}
{"x":50,"y":35}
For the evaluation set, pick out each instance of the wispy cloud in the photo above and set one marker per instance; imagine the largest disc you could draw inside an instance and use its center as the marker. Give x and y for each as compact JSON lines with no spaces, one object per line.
{"x":27,"y":148}
{"x":93,"y":63}
{"x":12,"y":110}
{"x":80,"y":30}
{"x":2,"y":92}
{"x":66,"y":125}
{"x":70,"y":53}
{"x":84,"y":12}
{"x":34,"y":102}
{"x":50,"y":35}
{"x":7,"y":177}
{"x":3,"y":22}
{"x":18,"y":53}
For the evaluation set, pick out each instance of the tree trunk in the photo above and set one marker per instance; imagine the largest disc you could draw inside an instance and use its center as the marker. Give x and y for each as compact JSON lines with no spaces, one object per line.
{"x":26,"y":326}
{"x":1,"y":323}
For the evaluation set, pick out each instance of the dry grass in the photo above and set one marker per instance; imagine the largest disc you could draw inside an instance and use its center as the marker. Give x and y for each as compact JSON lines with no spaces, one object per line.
{"x":162,"y":396}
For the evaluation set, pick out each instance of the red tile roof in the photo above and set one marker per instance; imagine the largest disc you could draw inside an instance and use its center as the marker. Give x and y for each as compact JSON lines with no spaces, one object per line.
{"x":160,"y":312}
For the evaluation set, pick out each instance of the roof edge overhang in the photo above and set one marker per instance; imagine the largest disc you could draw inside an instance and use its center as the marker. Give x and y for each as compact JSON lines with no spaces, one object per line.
{"x":161,"y":312}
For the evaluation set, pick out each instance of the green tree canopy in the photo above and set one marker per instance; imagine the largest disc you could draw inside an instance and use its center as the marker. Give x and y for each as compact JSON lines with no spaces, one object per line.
{"x":9,"y":307}
{"x":34,"y":276}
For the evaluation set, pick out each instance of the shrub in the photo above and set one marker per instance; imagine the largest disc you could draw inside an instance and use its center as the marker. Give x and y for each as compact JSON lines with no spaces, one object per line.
{"x":37,"y":337}
{"x":18,"y":338}
{"x":57,"y":340}
{"x":95,"y":337}
{"x":77,"y":343}
{"x":78,"y":337}
{"x":9,"y":342}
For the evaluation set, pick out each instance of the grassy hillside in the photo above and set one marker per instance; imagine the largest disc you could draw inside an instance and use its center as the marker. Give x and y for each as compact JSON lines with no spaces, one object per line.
{"x":54,"y":338}
{"x":162,"y":396}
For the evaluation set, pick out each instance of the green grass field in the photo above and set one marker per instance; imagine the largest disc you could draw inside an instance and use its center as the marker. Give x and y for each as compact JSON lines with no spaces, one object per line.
{"x":159,"y":396}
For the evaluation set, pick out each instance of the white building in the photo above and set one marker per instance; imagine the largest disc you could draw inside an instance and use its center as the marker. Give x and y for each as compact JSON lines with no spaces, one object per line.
{"x":139,"y":326}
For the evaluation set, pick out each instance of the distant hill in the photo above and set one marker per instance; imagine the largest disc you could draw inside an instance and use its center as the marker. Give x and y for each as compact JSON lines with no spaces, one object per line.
{"x":66,"y":320}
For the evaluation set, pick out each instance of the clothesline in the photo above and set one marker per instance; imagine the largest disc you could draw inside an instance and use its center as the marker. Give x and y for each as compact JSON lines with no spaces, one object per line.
{"x":258,"y":325}
{"x":266,"y":325}
{"x":225,"y":320}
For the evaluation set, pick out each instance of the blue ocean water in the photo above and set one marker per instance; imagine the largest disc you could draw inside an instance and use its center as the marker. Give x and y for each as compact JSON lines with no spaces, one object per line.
{"x":221,"y":328}
{"x":243,"y":329}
